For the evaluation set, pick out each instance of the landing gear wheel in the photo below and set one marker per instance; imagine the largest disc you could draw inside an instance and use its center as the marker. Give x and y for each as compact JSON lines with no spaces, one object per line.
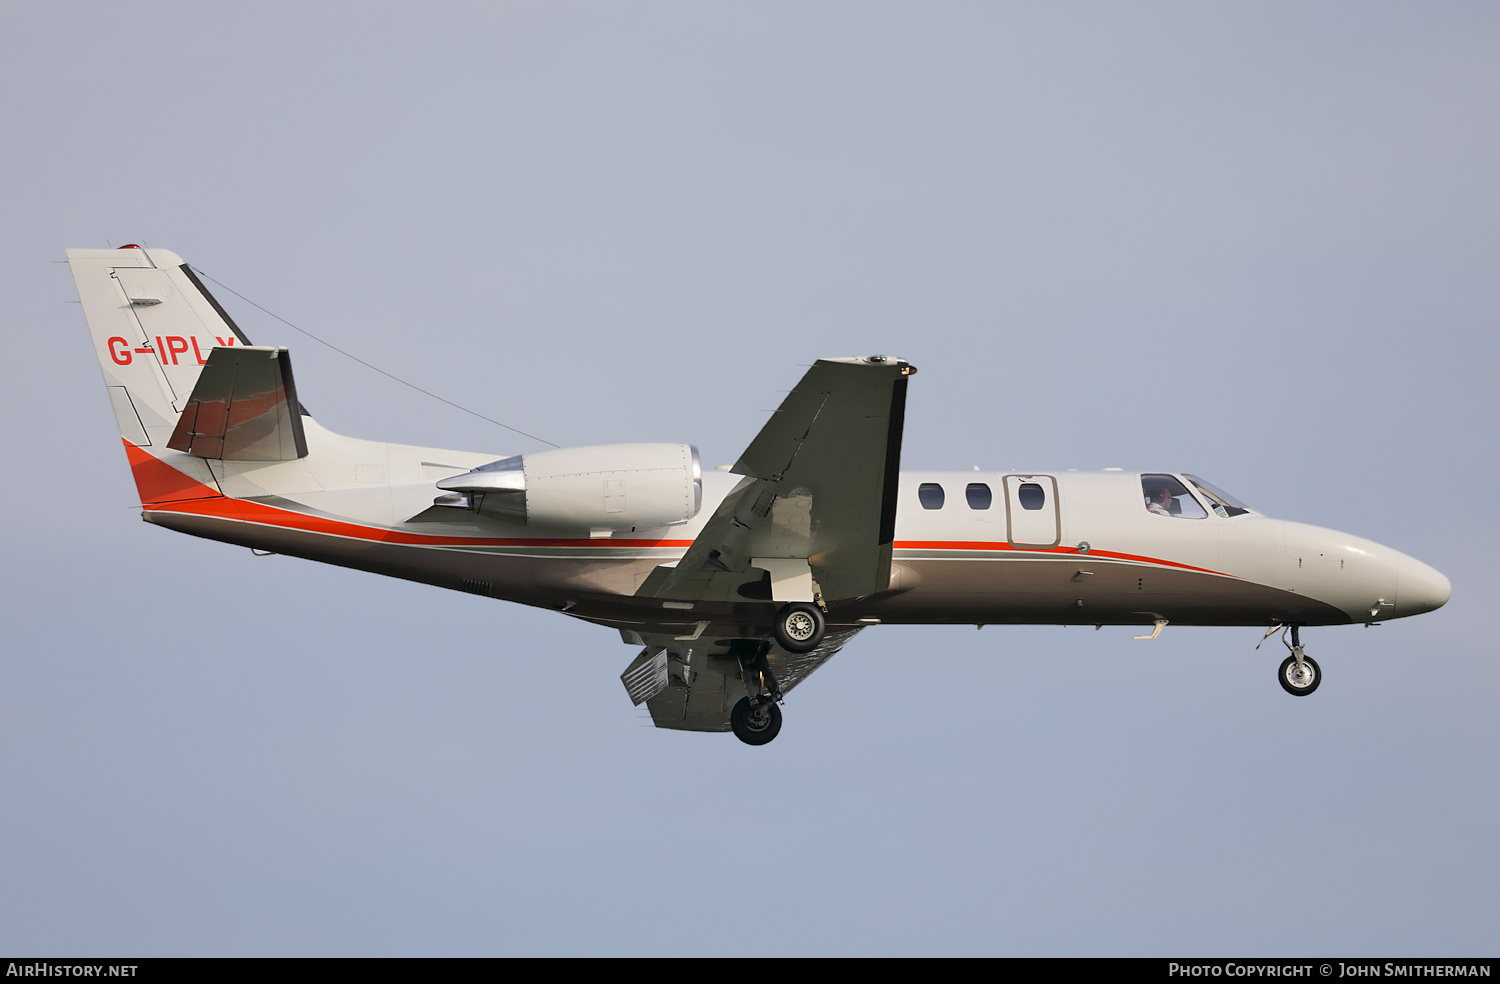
{"x":799,"y":627}
{"x":1299,"y":684}
{"x":755,"y":722}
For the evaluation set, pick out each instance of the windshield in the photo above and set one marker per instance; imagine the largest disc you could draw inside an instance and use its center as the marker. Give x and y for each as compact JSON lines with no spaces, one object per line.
{"x":1164,"y":495}
{"x":1225,"y":504}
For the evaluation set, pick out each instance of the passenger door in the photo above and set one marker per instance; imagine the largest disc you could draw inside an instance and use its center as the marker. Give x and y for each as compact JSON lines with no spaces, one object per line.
{"x":1033,"y":516}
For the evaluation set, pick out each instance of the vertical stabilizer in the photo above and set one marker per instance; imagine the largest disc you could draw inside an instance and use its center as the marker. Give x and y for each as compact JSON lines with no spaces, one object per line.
{"x":153,"y":326}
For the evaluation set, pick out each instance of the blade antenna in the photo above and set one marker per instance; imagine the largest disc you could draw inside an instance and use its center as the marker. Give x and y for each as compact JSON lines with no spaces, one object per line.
{"x":367,"y":365}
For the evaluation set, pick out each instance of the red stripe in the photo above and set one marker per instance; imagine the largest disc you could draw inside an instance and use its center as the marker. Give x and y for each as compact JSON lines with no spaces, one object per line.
{"x":1111,"y":554}
{"x":261,"y":514}
{"x":158,"y":481}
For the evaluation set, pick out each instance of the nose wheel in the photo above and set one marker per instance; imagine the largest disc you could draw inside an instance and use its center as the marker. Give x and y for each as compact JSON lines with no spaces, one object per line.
{"x":1299,"y":681}
{"x":1299,"y":674}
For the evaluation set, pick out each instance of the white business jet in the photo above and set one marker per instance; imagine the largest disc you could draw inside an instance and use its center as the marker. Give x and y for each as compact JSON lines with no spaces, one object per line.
{"x":735,"y":585}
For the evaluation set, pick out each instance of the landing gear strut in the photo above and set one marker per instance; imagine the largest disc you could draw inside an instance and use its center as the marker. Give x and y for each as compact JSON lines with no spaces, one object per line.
{"x":1299,"y":674}
{"x":756,"y":719}
{"x":799,"y":627}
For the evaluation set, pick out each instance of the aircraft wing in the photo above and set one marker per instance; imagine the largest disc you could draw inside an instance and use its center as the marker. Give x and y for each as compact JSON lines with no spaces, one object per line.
{"x":816,"y":512}
{"x":691,"y":688}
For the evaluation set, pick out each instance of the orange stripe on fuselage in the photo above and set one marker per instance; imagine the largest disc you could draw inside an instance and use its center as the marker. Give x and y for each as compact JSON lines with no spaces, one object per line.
{"x":158,"y":482}
{"x":165,"y":489}
{"x":264,"y":515}
{"x":1074,"y":551}
{"x":257,"y":513}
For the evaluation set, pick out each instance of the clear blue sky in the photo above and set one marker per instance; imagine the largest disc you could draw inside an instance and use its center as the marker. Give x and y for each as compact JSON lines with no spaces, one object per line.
{"x":1255,"y":241}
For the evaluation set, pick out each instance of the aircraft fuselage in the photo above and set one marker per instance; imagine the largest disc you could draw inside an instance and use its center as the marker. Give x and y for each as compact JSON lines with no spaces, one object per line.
{"x":1092,"y":554}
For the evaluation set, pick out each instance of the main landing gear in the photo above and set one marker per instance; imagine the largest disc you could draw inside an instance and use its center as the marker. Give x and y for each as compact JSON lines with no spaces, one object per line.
{"x":1299,"y":674}
{"x":755,"y":720}
{"x":799,"y":627}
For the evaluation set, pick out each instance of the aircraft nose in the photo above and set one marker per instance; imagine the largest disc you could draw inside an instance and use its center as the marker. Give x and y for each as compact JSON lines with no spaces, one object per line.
{"x":1420,"y":588}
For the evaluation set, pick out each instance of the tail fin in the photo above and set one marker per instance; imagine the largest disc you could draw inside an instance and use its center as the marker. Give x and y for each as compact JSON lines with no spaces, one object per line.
{"x":154,"y":326}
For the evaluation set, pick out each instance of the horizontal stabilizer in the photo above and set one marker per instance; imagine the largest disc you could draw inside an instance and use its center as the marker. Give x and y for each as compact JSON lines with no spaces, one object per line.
{"x":243,"y":408}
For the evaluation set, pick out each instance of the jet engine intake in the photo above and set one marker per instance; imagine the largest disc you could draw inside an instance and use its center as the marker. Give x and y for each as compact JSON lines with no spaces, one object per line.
{"x":603,"y":488}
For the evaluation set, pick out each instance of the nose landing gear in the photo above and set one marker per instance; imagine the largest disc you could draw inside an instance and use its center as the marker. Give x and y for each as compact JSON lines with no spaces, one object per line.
{"x":1299,"y":674}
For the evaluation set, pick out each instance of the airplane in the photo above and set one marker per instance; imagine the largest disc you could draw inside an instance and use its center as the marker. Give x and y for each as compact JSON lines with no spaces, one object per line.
{"x":735,"y":584}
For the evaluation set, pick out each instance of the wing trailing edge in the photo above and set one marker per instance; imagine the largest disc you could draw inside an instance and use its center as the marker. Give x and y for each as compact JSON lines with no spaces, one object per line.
{"x":693,"y":687}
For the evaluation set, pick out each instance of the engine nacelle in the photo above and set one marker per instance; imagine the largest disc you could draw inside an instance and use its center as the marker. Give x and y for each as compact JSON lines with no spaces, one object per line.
{"x":605,"y":488}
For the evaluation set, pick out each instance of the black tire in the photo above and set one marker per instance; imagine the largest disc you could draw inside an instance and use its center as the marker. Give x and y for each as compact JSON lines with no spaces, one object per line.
{"x":1288,"y":676}
{"x":799,"y":627}
{"x":755,"y":723}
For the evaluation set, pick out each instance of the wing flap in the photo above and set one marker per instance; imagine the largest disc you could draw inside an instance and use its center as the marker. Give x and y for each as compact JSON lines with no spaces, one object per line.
{"x":702,"y":686}
{"x":646,"y":676}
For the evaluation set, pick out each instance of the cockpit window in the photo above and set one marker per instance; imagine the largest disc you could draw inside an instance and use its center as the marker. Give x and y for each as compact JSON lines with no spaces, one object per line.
{"x":1166,"y":496}
{"x":1224,"y":504}
{"x":930,"y":494}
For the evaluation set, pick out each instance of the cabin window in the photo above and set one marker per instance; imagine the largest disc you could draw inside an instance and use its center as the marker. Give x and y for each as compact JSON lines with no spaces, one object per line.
{"x":978,"y":495}
{"x":1031,"y":496}
{"x":1164,"y":495}
{"x":931,"y":495}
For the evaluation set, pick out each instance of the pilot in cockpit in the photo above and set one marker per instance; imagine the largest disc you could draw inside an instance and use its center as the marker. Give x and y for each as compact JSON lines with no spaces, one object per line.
{"x":1159,"y":501}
